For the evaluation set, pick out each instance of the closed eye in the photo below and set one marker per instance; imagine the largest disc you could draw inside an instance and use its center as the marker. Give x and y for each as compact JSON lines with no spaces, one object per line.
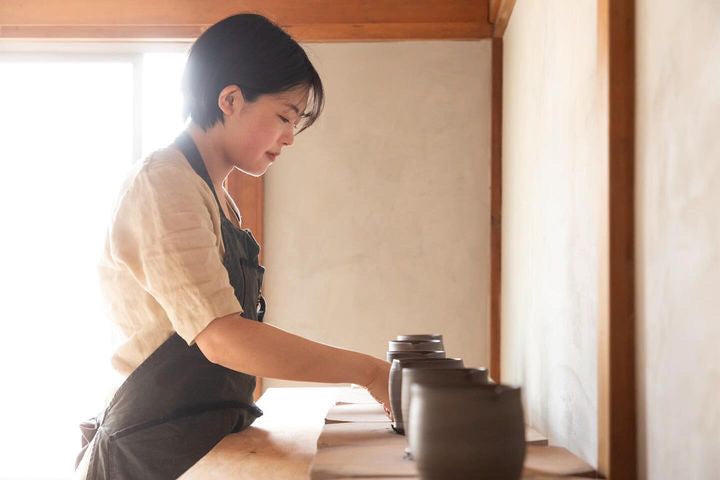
{"x":284,"y":120}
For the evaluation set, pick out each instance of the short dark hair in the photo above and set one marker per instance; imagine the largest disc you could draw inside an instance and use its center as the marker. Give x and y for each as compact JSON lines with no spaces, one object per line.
{"x":249,"y":51}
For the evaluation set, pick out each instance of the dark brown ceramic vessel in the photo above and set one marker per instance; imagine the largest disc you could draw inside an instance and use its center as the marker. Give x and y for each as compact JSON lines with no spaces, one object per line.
{"x":395,"y":355}
{"x":395,"y":381}
{"x":422,"y":336}
{"x":415,"y":345}
{"x":467,"y":432}
{"x":446,"y":377}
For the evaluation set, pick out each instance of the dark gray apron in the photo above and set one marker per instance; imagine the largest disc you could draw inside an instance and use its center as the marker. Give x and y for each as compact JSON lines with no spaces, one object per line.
{"x":177,"y":405}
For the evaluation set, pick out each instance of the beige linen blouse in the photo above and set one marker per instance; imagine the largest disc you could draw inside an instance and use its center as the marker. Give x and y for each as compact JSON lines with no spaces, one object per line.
{"x":161,"y":269}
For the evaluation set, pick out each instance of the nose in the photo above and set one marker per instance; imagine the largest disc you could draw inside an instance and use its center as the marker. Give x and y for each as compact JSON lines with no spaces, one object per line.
{"x":288,"y":136}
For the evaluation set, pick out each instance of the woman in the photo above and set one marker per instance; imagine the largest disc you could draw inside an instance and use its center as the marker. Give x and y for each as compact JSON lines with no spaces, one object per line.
{"x":182,"y":278}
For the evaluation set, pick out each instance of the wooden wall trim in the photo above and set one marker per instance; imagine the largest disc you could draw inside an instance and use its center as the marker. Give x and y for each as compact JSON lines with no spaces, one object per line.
{"x":314,"y":21}
{"x":499,"y":12}
{"x":623,"y":428}
{"x":496,"y":210}
{"x":303,"y":33}
{"x":617,"y":455}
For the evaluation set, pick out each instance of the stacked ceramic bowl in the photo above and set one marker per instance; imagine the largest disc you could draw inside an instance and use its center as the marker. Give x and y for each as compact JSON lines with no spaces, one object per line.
{"x":416,"y":346}
{"x":405,"y":347}
{"x":459,"y":424}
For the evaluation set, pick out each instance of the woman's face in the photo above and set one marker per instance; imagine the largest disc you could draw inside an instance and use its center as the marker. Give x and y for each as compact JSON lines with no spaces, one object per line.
{"x":255,"y":133}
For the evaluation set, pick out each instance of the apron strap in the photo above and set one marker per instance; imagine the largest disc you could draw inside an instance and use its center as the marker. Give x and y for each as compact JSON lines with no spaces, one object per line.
{"x":188,"y":148}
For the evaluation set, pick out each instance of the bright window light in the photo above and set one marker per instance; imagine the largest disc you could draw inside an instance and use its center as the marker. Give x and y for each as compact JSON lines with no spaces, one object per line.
{"x":68,"y":130}
{"x":161,"y":99}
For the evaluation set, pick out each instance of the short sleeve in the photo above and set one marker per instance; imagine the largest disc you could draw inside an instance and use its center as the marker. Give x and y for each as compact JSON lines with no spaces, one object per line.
{"x":165,"y":231}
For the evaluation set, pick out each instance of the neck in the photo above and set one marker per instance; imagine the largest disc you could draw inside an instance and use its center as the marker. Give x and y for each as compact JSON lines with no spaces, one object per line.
{"x":212,"y":154}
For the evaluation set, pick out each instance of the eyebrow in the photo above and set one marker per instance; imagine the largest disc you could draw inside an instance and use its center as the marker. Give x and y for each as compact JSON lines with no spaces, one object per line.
{"x":295,"y":109}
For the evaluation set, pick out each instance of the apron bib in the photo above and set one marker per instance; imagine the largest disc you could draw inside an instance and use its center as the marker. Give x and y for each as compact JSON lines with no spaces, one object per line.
{"x":176,"y":406}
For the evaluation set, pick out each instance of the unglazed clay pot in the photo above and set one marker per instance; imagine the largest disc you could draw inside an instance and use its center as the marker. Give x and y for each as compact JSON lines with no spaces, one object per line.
{"x":433,"y":354}
{"x":423,"y":336}
{"x":415,"y":345}
{"x":395,"y":381}
{"x":467,"y":432}
{"x":447,"y":377}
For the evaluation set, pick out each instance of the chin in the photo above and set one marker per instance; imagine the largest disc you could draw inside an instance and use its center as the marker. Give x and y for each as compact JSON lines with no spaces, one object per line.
{"x":256,"y":172}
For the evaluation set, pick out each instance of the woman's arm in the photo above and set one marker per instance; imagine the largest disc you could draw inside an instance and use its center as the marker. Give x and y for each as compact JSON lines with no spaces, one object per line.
{"x":263,"y":350}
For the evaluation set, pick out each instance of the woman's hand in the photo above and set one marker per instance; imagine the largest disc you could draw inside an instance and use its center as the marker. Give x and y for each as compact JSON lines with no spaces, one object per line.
{"x":379,"y":385}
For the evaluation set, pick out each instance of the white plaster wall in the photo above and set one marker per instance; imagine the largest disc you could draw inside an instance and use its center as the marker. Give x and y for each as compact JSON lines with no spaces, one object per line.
{"x":678,"y":242}
{"x":552,"y":166}
{"x":377,"y":219}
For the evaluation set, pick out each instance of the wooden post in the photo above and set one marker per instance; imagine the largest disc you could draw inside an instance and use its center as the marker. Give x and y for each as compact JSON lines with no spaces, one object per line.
{"x":617,"y":418}
{"x":496,"y":209}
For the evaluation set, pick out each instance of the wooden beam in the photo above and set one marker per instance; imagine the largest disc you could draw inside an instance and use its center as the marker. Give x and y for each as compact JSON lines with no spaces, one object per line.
{"x":617,"y":446}
{"x":309,"y":21}
{"x":305,"y":33}
{"x":499,"y":12}
{"x":493,"y":10}
{"x":623,"y":418}
{"x":496,"y":209}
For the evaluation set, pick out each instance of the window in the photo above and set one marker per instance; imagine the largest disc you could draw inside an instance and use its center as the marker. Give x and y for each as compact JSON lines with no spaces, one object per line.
{"x":71,"y":124}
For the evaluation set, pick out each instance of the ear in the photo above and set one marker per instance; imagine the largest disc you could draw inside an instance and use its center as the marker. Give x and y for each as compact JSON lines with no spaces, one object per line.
{"x":230,"y":100}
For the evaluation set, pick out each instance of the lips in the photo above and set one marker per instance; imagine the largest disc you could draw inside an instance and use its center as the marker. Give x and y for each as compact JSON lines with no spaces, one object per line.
{"x":271,"y":156}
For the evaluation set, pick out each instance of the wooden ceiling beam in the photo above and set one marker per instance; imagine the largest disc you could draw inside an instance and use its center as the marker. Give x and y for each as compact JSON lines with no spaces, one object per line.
{"x":307,"y":21}
{"x":499,"y":12}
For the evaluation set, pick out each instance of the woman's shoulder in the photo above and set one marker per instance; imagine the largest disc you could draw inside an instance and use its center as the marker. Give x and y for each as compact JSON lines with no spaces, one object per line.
{"x":164,"y":180}
{"x":166,"y":168}
{"x":167,"y":161}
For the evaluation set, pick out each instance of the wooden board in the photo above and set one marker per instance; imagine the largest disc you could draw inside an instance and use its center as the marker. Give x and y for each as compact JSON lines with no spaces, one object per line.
{"x":355,"y":448}
{"x":358,"y":442}
{"x":533,"y":437}
{"x":313,"y":20}
{"x":554,"y":461}
{"x":355,"y":461}
{"x":361,"y":412}
{"x":371,"y":450}
{"x":360,"y":433}
{"x":361,"y":449}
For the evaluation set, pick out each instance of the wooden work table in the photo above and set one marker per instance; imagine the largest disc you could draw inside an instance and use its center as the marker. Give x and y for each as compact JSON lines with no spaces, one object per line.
{"x":340,"y":433}
{"x":279,"y":445}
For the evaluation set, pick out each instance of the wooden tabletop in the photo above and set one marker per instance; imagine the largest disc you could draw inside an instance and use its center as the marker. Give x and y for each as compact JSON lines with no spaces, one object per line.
{"x":280,"y":445}
{"x":354,"y":440}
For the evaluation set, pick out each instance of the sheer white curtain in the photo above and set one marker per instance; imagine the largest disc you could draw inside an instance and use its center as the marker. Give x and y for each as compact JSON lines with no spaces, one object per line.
{"x":68,"y":128}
